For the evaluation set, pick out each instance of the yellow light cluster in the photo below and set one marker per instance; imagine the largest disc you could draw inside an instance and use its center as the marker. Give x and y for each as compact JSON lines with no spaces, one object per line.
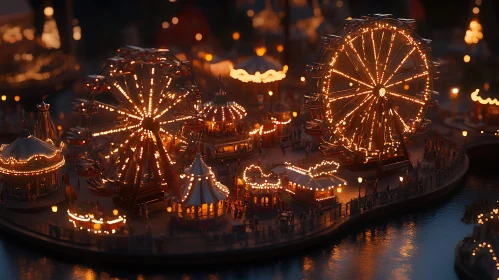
{"x":474,"y":33}
{"x":74,"y":218}
{"x":266,"y":77}
{"x":378,"y":79}
{"x":477,"y":98}
{"x":266,"y":185}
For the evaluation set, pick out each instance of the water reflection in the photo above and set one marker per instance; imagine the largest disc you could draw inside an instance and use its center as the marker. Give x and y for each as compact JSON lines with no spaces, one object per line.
{"x":413,"y":246}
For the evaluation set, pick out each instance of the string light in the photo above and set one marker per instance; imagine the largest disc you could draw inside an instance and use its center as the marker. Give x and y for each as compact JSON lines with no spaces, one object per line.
{"x":259,"y":180}
{"x":489,"y":101}
{"x":89,"y":222}
{"x":266,"y":77}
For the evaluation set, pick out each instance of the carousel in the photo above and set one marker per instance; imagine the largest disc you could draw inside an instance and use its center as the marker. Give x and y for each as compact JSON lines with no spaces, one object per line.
{"x":262,"y":72}
{"x":312,"y":186}
{"x":262,"y":190}
{"x":201,"y":196}
{"x":225,"y":133}
{"x":29,"y":167}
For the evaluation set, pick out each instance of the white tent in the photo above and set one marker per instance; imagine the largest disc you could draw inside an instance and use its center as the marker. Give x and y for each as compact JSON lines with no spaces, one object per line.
{"x":200,"y":185}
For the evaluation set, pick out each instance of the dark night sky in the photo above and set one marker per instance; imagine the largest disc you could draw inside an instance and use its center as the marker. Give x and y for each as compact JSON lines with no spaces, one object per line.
{"x":102,"y":20}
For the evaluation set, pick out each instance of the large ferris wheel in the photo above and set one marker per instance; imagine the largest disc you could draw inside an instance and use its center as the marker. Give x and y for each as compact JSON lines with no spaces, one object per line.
{"x":154,"y":96}
{"x":373,"y":83}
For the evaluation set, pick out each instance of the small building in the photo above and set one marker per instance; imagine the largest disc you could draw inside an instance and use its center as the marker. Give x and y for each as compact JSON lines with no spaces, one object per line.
{"x":225,"y":130}
{"x":262,"y":190}
{"x":312,"y":186}
{"x":202,"y":197}
{"x":29,"y":167}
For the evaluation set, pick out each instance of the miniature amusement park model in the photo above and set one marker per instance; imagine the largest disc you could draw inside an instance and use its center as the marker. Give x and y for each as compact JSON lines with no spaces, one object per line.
{"x":225,"y":132}
{"x":29,"y":167}
{"x":140,"y":138}
{"x":373,"y":81}
{"x":201,"y":198}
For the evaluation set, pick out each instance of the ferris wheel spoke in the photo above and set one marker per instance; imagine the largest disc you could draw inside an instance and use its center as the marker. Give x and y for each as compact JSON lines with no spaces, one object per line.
{"x":364,"y":70}
{"x":178,"y":100}
{"x":127,"y":97}
{"x":406,"y":127}
{"x":406,"y":97}
{"x":408,"y":79}
{"x":378,"y":74}
{"x":375,"y":56}
{"x":400,"y":65}
{"x":151,"y":93}
{"x":367,"y":98}
{"x":365,"y":119}
{"x":115,"y":130}
{"x":351,"y":78}
{"x":115,"y":109}
{"x":392,"y":39}
{"x":346,"y":94}
{"x":176,"y":120}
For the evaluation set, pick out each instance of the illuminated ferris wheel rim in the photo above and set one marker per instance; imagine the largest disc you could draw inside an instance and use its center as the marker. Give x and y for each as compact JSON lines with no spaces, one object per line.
{"x":151,"y":94}
{"x":378,"y":83}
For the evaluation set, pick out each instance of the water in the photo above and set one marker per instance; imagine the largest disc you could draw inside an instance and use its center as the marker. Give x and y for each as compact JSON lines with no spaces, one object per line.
{"x":408,"y":246}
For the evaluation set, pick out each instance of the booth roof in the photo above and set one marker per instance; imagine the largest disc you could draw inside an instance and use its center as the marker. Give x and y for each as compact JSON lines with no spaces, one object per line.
{"x":307,"y":181}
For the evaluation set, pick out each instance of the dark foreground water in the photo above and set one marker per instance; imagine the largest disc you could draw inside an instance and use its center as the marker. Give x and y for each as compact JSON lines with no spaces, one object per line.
{"x":418,"y":245}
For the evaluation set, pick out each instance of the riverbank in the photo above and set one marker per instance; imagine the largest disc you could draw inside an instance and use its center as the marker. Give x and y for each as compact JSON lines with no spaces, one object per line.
{"x":212,"y":249}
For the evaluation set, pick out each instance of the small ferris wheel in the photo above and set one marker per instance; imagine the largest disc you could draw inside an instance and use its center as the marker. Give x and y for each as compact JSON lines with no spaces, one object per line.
{"x":373,"y":82}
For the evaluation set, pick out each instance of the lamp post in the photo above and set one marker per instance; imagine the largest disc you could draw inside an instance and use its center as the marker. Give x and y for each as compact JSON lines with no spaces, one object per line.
{"x":270,"y":95}
{"x":465,"y":133}
{"x":360,"y":182}
{"x":401,"y":180}
{"x":454,"y":92}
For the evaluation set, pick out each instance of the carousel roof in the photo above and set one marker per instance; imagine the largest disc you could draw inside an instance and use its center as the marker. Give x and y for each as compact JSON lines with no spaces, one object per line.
{"x":220,"y":110}
{"x":259,"y":69}
{"x":29,"y":155}
{"x":201,"y":186}
{"x":316,"y":178}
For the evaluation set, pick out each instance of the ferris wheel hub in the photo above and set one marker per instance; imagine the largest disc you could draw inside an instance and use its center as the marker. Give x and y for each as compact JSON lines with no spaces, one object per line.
{"x":150,"y":124}
{"x":380,"y":91}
